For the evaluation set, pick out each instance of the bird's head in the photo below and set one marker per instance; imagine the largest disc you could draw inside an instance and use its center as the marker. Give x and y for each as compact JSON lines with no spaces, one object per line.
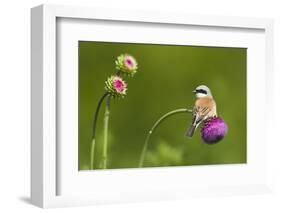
{"x":202,"y":91}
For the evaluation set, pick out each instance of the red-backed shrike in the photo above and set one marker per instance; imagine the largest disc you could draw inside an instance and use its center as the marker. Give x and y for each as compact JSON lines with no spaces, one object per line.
{"x":204,"y":108}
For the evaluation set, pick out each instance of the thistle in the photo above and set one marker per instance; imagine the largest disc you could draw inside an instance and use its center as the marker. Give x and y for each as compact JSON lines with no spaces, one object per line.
{"x":126,"y":64}
{"x":213,"y":130}
{"x":115,"y":87}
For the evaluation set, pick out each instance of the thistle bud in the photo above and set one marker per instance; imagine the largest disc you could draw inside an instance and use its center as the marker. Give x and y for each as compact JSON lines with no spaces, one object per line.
{"x":116,"y":86}
{"x":126,"y":64}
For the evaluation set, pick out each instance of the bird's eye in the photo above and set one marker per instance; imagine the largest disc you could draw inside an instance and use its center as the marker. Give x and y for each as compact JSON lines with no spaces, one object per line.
{"x":201,"y":91}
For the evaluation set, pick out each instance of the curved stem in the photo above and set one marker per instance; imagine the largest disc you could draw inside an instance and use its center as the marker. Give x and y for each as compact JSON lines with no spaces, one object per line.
{"x":156,"y":124}
{"x":93,"y":142}
{"x":105,"y":133}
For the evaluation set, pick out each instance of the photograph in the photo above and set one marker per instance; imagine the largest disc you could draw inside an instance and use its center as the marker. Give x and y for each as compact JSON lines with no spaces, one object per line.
{"x":161,"y":105}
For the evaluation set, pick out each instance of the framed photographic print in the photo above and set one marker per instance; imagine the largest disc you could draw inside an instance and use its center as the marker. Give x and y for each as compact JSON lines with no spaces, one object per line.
{"x":130,"y":106}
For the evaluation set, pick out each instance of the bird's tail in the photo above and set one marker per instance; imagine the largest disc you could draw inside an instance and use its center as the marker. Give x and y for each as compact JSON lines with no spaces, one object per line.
{"x":191,"y":131}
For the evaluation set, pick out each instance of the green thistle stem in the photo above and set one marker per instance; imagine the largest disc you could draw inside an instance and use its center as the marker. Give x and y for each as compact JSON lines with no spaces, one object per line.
{"x":156,"y":124}
{"x":105,"y":133}
{"x":93,"y":142}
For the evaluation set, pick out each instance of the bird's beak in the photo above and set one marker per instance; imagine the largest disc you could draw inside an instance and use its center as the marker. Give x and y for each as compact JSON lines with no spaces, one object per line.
{"x":194,"y":91}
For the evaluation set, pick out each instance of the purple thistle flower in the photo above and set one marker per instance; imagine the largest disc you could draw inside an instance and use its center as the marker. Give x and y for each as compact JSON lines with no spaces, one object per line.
{"x":214,"y":130}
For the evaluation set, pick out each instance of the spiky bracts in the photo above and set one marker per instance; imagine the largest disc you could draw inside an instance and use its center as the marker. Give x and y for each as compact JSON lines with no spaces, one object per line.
{"x":116,"y":86}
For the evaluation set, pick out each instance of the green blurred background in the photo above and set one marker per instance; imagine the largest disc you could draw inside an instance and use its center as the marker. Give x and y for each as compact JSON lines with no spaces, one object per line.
{"x":165,"y":79}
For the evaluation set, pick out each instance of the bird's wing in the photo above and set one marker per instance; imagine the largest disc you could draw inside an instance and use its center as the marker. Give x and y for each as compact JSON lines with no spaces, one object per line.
{"x":199,"y":113}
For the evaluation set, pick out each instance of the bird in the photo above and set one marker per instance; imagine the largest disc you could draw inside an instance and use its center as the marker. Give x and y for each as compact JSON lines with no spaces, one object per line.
{"x":204,"y":108}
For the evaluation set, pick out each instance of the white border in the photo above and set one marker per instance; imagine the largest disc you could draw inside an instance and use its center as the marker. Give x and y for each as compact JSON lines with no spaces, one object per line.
{"x":43,"y":191}
{"x":101,"y":183}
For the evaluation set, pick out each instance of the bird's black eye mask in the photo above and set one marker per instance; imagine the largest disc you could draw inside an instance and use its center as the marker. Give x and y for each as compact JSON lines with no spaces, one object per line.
{"x":201,"y":91}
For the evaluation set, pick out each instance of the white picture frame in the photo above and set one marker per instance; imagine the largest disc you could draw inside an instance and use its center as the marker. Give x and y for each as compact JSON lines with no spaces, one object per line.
{"x":49,"y":168}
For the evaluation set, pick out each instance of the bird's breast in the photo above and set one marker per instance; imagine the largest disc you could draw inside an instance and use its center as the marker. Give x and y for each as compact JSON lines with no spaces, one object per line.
{"x":208,"y":103}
